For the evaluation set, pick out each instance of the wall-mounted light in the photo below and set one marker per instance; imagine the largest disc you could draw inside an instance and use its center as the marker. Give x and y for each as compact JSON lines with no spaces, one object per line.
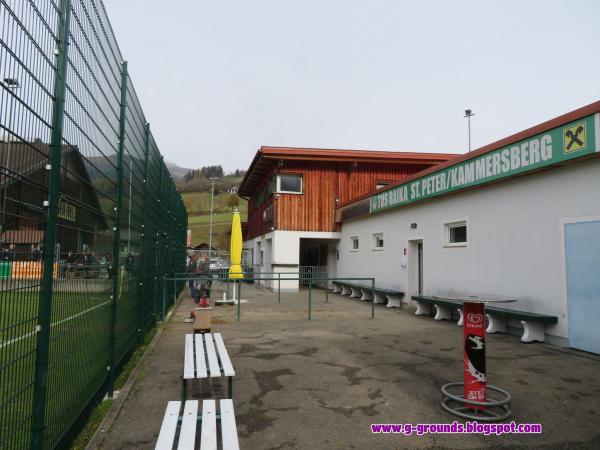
{"x":413,"y":225}
{"x":337,"y":201}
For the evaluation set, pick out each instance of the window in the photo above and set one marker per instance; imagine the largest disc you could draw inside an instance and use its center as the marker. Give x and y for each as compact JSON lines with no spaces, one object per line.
{"x":354,"y":243}
{"x":378,"y":241}
{"x":455,"y":234}
{"x":289,"y":184}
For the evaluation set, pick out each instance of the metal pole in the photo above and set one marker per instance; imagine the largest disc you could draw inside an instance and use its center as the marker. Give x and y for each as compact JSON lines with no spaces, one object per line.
{"x":42,"y":353}
{"x":164,"y":297}
{"x":309,"y":299}
{"x":116,"y":262}
{"x":212,"y":200}
{"x":327,"y":289}
{"x":279,"y":288}
{"x":145,"y":237}
{"x":373,"y":298}
{"x":239,"y":299}
{"x":469,"y":126}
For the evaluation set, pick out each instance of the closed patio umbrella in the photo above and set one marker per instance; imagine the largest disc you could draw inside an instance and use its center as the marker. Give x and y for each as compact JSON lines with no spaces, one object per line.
{"x":235,"y":250}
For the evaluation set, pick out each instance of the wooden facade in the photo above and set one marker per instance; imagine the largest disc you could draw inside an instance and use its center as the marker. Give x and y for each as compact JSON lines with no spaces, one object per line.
{"x":328,"y":181}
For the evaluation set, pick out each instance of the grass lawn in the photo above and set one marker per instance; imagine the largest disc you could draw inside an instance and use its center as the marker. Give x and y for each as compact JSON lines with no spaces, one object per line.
{"x":198,"y":205}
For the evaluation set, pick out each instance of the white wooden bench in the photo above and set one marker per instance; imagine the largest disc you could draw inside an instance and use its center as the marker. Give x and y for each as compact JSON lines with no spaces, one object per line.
{"x":202,"y":347}
{"x":189,"y":426}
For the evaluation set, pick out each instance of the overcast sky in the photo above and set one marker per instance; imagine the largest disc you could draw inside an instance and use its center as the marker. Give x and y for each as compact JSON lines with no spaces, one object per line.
{"x":217,"y":79}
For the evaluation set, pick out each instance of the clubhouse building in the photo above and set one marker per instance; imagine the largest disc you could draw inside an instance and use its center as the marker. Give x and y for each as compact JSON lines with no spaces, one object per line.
{"x":518,"y":218}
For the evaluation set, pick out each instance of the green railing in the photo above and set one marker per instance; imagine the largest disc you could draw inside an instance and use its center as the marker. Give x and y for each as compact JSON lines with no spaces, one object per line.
{"x":90,"y":219}
{"x":369,"y":283}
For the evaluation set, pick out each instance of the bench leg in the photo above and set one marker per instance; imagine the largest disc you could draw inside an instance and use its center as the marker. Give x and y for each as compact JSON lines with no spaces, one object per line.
{"x":335,"y":288}
{"x":346,"y":290}
{"x":355,"y":293}
{"x":380,"y":299}
{"x":229,"y":387}
{"x":495,"y":324}
{"x":460,"y":317}
{"x":443,"y":313}
{"x":393,"y":301}
{"x":532,"y":332}
{"x":366,"y":295}
{"x":423,"y":309}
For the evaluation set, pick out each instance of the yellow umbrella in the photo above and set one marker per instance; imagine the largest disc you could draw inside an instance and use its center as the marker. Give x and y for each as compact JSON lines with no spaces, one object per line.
{"x":235,"y":250}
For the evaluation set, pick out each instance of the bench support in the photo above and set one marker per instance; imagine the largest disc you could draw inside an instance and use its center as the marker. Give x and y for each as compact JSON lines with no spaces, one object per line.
{"x":380,"y":299}
{"x":533,"y":332}
{"x":346,"y":290}
{"x":355,"y":292}
{"x":423,"y":309}
{"x":335,"y":288}
{"x":495,"y":324}
{"x":443,"y":312}
{"x":460,"y":317}
{"x":366,"y":295}
{"x":393,"y":301}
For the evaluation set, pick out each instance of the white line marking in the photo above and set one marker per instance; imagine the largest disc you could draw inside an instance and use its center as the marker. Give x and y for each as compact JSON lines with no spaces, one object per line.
{"x":25,"y":336}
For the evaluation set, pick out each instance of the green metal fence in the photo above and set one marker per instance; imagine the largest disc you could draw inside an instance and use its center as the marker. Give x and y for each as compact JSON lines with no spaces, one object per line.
{"x":90,"y":219}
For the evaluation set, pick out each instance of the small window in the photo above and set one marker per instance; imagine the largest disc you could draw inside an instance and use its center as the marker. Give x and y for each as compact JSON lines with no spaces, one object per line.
{"x":378,"y":241}
{"x":289,"y":184}
{"x":456,"y":234}
{"x":262,"y":257}
{"x":354,"y":243}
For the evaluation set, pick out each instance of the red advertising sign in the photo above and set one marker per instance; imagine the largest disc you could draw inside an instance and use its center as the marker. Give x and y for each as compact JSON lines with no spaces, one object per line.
{"x":474,"y":355}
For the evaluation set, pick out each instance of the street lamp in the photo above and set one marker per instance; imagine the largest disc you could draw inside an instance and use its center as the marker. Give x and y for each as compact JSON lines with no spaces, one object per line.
{"x":468,"y":114}
{"x":212,"y":202}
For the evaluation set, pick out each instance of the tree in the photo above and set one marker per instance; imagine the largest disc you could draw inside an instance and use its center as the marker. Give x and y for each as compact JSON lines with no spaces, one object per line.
{"x":233,"y":201}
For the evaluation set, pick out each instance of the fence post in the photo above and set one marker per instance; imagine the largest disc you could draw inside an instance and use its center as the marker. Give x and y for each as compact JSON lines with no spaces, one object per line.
{"x":279,"y":288}
{"x":42,"y":352}
{"x":116,"y":260}
{"x":164,"y":298}
{"x":309,"y":298}
{"x":327,"y":288}
{"x":372,"y":298}
{"x":145,"y":246}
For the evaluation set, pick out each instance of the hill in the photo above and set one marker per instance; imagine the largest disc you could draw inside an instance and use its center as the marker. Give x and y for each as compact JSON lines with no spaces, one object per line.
{"x":198,"y":207}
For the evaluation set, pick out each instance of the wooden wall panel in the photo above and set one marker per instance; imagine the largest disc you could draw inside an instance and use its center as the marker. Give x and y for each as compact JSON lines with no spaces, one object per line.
{"x":323,"y":182}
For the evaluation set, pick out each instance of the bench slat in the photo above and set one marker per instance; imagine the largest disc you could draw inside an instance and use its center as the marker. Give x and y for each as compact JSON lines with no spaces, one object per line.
{"x":187,"y":434}
{"x":228,"y":429}
{"x":200,"y":360}
{"x":213,"y":362}
{"x":224,"y":356}
{"x":188,"y":362}
{"x":166,"y":436}
{"x":208,"y":435}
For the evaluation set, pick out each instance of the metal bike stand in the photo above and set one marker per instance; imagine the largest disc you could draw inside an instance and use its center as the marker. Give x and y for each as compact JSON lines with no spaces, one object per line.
{"x":493,"y":410}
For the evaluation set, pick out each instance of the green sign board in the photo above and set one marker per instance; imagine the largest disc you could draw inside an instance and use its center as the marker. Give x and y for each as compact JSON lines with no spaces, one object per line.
{"x":570,"y":141}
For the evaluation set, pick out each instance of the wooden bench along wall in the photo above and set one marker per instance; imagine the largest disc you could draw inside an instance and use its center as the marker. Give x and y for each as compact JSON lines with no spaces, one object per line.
{"x":533,"y":323}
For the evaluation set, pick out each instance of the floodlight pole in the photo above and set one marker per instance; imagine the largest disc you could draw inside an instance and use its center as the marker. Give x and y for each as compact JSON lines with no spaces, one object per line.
{"x":212,"y":203}
{"x":468,"y":114}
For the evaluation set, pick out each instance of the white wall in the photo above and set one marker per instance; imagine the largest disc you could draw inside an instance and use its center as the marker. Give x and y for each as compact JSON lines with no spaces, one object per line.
{"x":282,"y":252}
{"x":514,"y":233}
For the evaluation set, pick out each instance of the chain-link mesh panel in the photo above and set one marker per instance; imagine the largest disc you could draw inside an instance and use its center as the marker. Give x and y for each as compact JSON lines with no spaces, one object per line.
{"x":82,"y":257}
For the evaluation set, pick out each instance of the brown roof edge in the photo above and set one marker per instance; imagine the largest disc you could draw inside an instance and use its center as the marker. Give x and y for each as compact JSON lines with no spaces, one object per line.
{"x":358,"y":155}
{"x":536,"y":129}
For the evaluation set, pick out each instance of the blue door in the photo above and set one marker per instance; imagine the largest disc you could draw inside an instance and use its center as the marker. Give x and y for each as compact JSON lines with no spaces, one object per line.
{"x":582,"y":250}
